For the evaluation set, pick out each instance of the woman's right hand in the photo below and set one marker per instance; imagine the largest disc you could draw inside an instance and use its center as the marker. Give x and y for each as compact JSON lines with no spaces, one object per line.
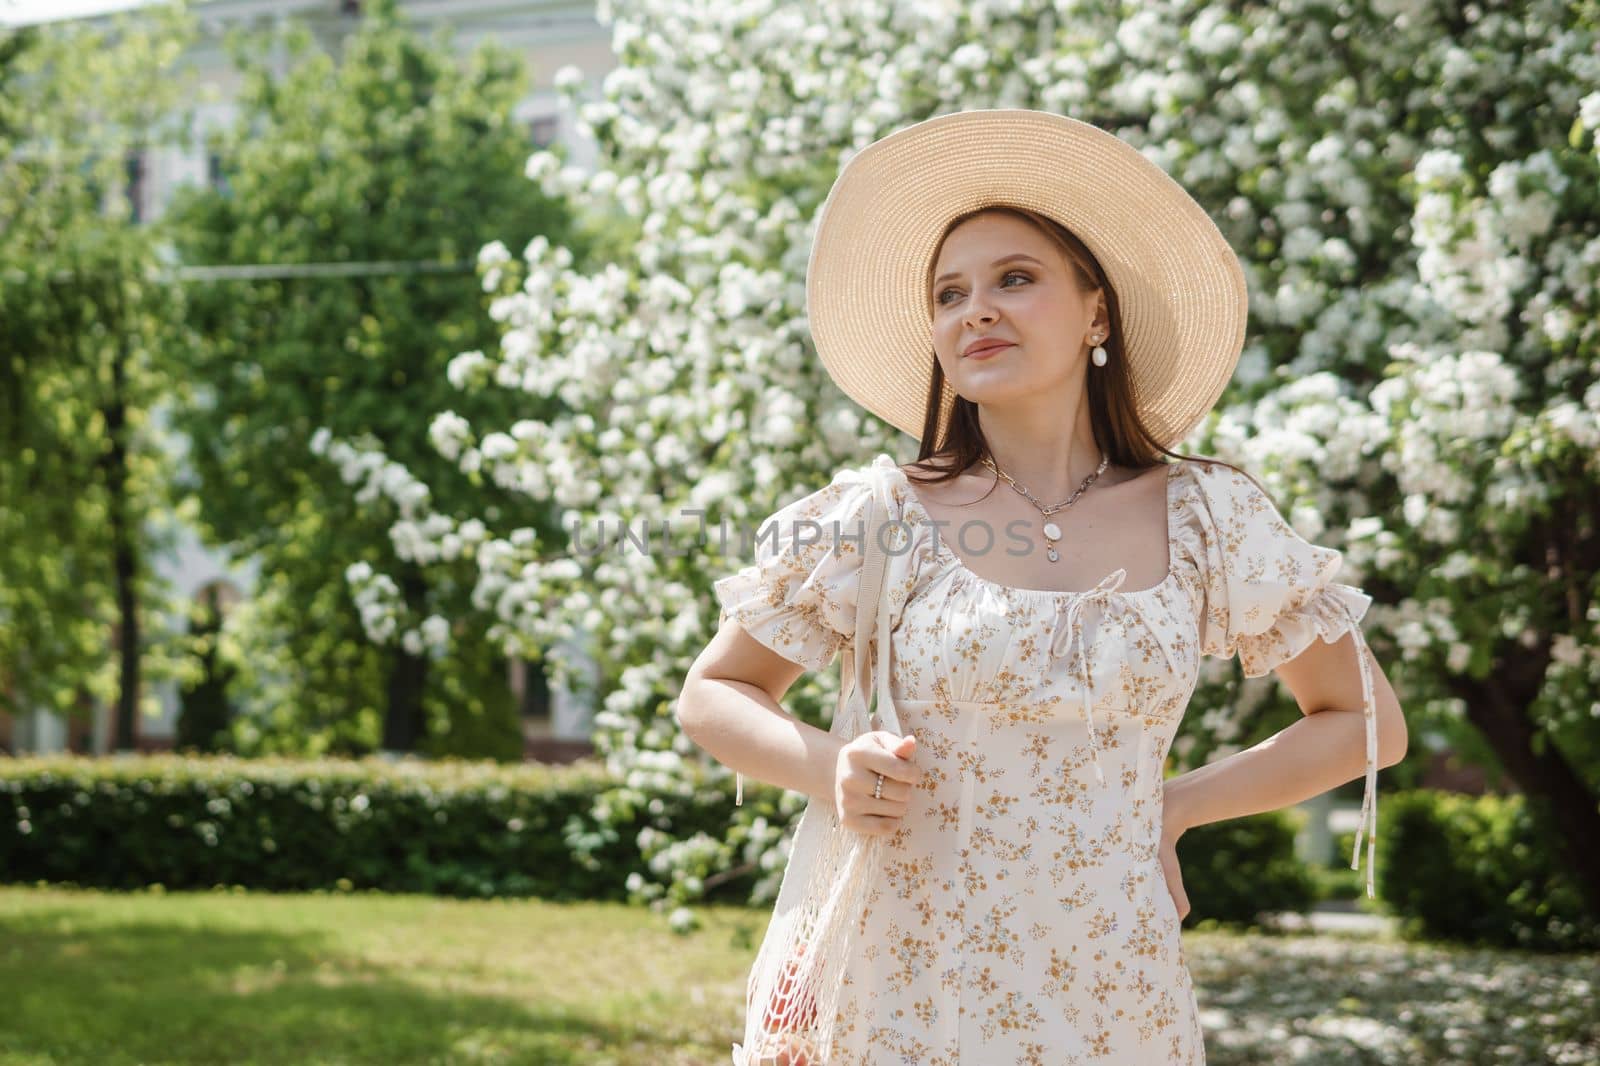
{"x":860,"y":762}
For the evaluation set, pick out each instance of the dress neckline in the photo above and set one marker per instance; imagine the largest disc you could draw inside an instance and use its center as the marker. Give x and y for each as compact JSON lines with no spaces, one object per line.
{"x":942,"y":546}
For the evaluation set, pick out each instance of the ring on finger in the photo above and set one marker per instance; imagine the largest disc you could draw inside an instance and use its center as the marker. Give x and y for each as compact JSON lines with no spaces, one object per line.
{"x":877,"y":790}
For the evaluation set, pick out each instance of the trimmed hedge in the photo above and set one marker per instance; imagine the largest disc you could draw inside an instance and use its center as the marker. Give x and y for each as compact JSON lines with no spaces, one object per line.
{"x":448,"y":827}
{"x":454,"y":827}
{"x":1482,"y":871}
{"x":1237,"y":871}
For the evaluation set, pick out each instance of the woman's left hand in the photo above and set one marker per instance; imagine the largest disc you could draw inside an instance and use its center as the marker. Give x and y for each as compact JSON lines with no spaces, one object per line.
{"x":1172,"y":828}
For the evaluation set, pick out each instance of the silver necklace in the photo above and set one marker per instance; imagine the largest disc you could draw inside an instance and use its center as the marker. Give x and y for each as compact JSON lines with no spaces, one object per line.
{"x":1052,"y":532}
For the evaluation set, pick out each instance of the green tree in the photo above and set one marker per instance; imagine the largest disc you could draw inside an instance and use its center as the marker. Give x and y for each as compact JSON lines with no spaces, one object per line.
{"x":204,"y":710}
{"x":1411,"y":188}
{"x":82,"y":466}
{"x":394,"y":152}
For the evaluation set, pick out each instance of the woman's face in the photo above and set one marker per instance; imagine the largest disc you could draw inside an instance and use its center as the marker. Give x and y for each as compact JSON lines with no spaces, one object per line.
{"x":999,"y":277}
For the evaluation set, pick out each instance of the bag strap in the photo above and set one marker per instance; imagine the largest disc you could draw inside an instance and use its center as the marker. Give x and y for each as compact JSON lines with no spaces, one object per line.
{"x":872,"y":610}
{"x":855,"y":662}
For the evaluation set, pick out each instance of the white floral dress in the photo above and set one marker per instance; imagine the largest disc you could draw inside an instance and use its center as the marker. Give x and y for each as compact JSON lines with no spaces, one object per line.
{"x":1021,"y":914}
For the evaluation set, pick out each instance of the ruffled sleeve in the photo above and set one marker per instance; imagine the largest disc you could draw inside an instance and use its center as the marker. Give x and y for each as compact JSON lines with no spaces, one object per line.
{"x":799,"y":596}
{"x":1269,"y":593}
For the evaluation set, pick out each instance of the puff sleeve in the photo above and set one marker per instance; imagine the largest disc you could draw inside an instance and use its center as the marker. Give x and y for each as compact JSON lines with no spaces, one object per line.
{"x":799,"y":596}
{"x":1269,"y":593}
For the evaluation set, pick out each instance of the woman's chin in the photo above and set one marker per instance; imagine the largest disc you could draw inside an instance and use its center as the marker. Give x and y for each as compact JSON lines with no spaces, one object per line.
{"x":996,"y":386}
{"x":997,"y":376}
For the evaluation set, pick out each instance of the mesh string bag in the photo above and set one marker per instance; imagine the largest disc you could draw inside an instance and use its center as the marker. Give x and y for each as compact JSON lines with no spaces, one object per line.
{"x":794,"y":985}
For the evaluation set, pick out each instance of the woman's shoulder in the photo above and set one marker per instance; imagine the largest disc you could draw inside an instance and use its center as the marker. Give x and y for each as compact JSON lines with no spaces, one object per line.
{"x":1224,"y":490}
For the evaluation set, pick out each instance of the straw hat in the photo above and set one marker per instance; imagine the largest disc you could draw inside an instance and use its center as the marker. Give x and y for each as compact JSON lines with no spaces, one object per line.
{"x":1180,"y":287}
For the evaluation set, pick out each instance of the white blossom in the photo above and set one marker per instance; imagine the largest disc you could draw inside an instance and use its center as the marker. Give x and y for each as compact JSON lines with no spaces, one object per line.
{"x":1409,"y":378}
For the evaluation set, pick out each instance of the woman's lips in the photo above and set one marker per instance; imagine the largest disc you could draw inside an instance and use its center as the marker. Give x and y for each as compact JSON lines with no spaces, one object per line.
{"x":984,"y":353}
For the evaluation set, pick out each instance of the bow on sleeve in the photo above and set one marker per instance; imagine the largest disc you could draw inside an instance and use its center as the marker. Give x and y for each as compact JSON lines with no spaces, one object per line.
{"x":1268,"y":594}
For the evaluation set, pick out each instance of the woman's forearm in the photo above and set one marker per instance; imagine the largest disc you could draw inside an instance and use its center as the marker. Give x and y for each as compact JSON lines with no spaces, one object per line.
{"x":1319,"y":752}
{"x":745,"y":729}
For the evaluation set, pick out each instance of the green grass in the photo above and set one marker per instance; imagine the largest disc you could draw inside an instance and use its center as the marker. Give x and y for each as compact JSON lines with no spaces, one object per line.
{"x":222,"y":977}
{"x":234,"y":977}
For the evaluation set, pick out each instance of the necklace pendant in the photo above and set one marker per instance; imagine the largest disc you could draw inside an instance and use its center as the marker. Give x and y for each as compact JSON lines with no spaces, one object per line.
{"x":1052,"y":531}
{"x":1051,"y":552}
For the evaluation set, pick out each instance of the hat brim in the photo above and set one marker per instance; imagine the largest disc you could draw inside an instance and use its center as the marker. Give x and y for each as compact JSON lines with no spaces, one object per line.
{"x":1180,"y":287}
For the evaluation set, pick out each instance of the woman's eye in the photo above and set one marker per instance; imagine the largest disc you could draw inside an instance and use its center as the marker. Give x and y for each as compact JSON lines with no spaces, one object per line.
{"x":1003,"y":278}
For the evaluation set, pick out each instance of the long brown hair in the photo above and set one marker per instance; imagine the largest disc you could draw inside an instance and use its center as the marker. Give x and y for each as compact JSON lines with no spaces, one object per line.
{"x":1113,"y":415}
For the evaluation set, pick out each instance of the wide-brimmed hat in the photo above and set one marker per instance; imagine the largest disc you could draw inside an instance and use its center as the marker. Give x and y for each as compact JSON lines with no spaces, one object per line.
{"x":1180,"y":287}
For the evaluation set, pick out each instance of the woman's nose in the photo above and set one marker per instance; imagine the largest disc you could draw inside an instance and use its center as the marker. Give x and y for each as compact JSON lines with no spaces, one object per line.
{"x":978,"y":310}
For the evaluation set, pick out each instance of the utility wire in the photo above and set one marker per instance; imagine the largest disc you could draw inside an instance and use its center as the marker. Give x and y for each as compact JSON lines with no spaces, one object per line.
{"x":260,"y":271}
{"x":252,"y":271}
{"x":211,"y":22}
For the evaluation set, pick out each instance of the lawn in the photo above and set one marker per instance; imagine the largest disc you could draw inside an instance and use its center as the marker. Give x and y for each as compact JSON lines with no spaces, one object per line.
{"x":235,"y":977}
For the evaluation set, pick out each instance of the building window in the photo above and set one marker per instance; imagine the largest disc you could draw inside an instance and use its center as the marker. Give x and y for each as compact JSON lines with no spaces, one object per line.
{"x":544,"y":129}
{"x":532,"y":689}
{"x":135,"y":185}
{"x":216,"y":177}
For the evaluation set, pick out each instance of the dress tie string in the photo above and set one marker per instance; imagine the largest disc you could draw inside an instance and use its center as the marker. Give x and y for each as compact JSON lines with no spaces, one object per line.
{"x":1069,"y":628}
{"x":1369,"y":794}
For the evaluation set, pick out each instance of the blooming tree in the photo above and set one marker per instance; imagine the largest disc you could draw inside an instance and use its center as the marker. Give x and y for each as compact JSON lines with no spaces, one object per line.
{"x":1412,"y":190}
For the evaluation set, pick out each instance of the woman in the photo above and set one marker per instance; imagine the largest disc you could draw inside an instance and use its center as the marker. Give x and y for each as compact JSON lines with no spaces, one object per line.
{"x":1048,"y":313}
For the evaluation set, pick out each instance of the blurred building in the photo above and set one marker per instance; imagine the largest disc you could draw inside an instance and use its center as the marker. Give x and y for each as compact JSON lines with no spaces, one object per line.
{"x":550,"y":34}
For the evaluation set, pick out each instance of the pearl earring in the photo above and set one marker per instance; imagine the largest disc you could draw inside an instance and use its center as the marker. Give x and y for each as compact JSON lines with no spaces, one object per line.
{"x":1099,"y":353}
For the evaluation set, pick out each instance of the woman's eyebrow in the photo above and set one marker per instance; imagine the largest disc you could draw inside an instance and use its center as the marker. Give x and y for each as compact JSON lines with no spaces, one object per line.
{"x":1014,"y":256}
